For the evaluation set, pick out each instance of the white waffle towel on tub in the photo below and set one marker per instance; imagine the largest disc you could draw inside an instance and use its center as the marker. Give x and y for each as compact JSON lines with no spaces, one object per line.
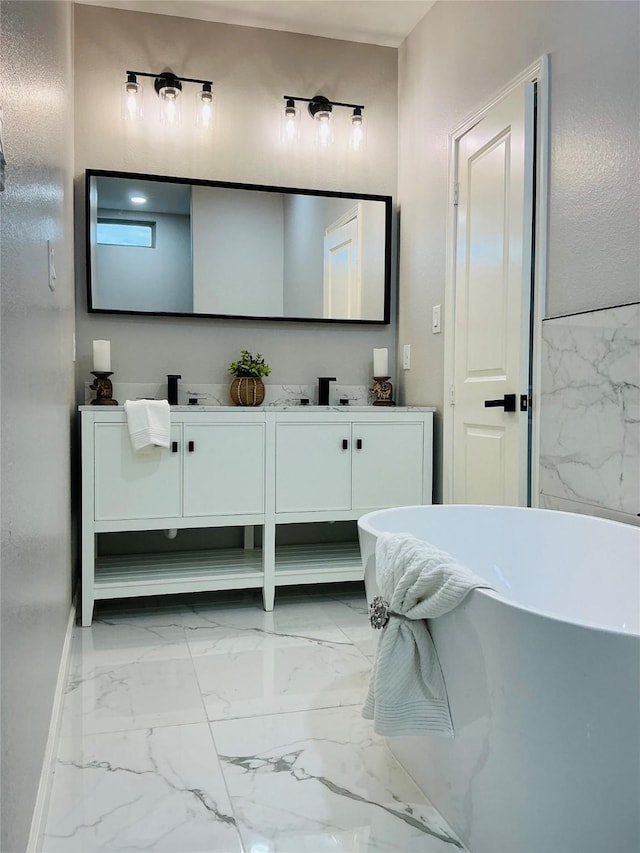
{"x":407,"y":693}
{"x":149,"y":422}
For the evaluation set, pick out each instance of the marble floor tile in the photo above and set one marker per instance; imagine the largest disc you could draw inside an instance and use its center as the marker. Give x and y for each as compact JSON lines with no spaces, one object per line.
{"x":155,"y":789}
{"x":282,"y":691}
{"x":249,"y":661}
{"x":321,"y":780}
{"x":299,"y":616}
{"x":109,"y":697}
{"x":243,"y":674}
{"x":350,"y":613}
{"x":119,"y":642}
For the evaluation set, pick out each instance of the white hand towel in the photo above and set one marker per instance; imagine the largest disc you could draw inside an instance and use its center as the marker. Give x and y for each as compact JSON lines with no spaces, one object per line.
{"x":149,"y":422}
{"x":407,"y":693}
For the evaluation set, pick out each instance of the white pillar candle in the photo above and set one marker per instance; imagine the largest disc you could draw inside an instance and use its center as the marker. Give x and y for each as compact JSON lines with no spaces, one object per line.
{"x":381,"y":362}
{"x":101,"y":356}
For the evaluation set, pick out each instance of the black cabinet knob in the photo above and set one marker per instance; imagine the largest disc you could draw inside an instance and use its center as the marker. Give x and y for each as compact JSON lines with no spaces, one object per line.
{"x":345,"y":444}
{"x":174,"y":446}
{"x":191,"y":446}
{"x":359,"y":444}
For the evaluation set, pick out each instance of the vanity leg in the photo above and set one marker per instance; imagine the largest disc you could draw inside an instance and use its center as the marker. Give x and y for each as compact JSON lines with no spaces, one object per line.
{"x":268,"y":565}
{"x":88,"y":570}
{"x":268,"y":597}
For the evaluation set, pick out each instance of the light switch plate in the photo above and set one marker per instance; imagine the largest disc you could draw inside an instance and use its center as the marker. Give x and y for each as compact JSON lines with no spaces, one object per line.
{"x":406,"y":357}
{"x":436,"y":325}
{"x":52,"y":266}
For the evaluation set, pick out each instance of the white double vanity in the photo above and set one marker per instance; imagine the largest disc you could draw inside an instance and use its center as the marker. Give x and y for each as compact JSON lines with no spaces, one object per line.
{"x":244,"y":468}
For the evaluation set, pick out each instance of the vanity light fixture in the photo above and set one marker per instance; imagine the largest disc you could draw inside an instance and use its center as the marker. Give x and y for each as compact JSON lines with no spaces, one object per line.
{"x":321,"y":109}
{"x":138,"y":199}
{"x":168,"y":87}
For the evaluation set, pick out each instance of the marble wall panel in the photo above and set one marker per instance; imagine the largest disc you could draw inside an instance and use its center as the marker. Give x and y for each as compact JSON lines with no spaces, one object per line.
{"x":590,"y":415}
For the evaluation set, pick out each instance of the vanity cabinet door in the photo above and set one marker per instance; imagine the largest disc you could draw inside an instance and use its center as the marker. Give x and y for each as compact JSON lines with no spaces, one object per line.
{"x":135,"y":484}
{"x":313,"y":467}
{"x":388,"y":465}
{"x":224,"y":469}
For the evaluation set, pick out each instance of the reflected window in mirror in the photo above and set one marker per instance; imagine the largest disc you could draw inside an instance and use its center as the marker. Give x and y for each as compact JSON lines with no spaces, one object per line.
{"x":125,"y":232}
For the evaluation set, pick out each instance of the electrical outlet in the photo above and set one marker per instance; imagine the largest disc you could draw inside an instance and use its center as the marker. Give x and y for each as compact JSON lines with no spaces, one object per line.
{"x":406,"y":357}
{"x":436,"y":324}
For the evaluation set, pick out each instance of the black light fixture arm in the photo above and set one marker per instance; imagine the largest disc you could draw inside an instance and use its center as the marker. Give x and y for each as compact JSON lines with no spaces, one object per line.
{"x":314,"y":100}
{"x":171,"y":76}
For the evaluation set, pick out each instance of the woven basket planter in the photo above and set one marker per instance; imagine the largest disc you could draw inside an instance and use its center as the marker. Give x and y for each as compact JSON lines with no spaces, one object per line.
{"x":247,"y":391}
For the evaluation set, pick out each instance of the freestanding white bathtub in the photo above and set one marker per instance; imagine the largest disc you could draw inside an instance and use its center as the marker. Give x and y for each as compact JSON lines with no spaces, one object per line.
{"x":543,"y":679}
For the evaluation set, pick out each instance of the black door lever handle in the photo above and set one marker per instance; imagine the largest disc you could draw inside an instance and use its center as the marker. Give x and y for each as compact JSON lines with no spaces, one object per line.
{"x":508,"y":401}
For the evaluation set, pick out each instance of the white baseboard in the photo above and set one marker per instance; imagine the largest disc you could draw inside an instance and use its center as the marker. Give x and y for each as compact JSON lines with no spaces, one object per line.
{"x":41,"y":807}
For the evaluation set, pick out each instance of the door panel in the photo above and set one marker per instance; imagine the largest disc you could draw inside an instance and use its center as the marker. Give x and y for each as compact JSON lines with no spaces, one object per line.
{"x":313,"y":470}
{"x":485,"y":283}
{"x":135,"y":484}
{"x":388,"y":470}
{"x":484,"y":460}
{"x":492,"y":303}
{"x":224,"y":473}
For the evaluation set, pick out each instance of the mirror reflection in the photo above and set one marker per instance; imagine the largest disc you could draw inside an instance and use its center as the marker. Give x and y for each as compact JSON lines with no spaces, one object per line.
{"x":169,"y":246}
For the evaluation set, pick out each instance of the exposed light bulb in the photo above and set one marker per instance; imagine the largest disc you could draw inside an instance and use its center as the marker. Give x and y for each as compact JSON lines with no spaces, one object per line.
{"x":290,"y":125}
{"x":205,"y":107}
{"x":324,"y":129}
{"x":357,"y":134}
{"x":131,"y":98}
{"x":170,"y":105}
{"x":138,"y":199}
{"x":168,"y":87}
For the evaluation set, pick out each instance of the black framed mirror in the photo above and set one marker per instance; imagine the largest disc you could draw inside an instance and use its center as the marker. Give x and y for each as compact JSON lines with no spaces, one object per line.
{"x":178,"y":246}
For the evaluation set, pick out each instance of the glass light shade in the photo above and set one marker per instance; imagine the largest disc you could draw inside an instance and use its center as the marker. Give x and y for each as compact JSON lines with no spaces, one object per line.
{"x":131,"y":99}
{"x":357,"y":132}
{"x":290,"y":123}
{"x":170,"y":103}
{"x":206,"y":113}
{"x":324,"y":128}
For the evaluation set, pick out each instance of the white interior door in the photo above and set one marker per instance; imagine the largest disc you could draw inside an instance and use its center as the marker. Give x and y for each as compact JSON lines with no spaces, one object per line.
{"x":342,"y":269}
{"x":492,"y":305}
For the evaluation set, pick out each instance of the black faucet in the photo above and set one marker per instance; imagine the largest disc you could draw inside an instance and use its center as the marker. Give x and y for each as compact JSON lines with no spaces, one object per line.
{"x":323,"y":389}
{"x":172,"y":388}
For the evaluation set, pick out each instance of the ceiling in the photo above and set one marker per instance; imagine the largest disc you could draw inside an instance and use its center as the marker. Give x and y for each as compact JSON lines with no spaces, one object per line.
{"x":162,"y":196}
{"x":382,"y":22}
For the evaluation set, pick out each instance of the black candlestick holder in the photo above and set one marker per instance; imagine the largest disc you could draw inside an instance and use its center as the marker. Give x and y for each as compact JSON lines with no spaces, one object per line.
{"x":103,"y":388}
{"x":382,"y":391}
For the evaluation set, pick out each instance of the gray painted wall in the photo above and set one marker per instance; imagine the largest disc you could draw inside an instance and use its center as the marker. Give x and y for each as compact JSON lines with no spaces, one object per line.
{"x":237,"y":251}
{"x":458,"y":56}
{"x":36,"y":390}
{"x":134,"y":278}
{"x":253,"y":69}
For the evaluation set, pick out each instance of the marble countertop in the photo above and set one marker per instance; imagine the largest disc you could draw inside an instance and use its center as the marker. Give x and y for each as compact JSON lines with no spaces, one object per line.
{"x":312,"y":408}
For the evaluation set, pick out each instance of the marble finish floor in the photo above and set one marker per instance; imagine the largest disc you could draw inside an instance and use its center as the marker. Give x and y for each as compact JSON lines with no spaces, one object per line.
{"x":206,"y":724}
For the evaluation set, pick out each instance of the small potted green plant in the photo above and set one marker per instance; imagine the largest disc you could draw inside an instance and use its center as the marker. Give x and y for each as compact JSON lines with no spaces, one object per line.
{"x":247,"y":389}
